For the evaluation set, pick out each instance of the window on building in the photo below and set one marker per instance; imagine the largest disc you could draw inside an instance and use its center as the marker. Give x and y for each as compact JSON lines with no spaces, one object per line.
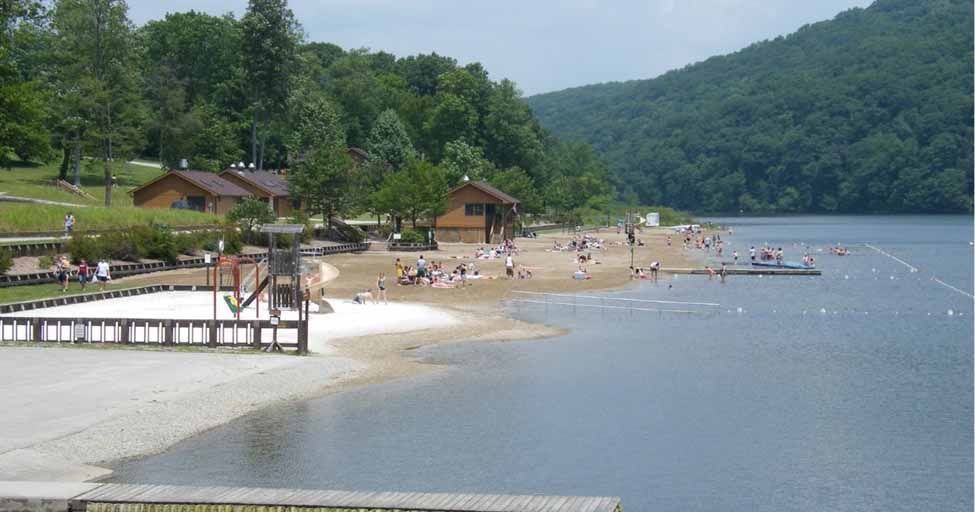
{"x":474,"y":209}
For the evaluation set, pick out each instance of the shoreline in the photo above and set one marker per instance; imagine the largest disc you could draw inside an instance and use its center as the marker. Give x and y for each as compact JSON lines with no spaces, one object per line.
{"x":346,"y":362}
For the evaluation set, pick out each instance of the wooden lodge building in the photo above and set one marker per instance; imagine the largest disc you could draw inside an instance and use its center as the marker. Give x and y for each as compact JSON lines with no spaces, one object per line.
{"x":267,"y":186}
{"x":194,"y":190}
{"x":477,"y":213}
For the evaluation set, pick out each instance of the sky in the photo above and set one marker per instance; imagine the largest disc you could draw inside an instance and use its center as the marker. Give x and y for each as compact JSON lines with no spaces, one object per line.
{"x":542,"y":45}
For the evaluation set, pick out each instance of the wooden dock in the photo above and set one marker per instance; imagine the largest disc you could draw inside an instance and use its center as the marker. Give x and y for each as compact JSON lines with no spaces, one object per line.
{"x":748,"y":271}
{"x":149,"y":498}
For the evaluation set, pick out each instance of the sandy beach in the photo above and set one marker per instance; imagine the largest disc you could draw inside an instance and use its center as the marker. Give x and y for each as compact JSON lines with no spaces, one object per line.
{"x":79,"y":409}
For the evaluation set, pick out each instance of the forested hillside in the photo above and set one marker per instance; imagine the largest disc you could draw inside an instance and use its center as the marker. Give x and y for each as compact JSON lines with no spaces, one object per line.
{"x":868,"y":112}
{"x":81,"y":85}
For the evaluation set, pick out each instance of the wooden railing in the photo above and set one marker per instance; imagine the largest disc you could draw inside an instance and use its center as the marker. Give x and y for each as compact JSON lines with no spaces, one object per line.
{"x":128,"y":269}
{"x":144,"y":331}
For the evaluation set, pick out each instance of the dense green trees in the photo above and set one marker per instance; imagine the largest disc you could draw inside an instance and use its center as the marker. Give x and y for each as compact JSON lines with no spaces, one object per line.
{"x":869,"y":112}
{"x":216,"y":90}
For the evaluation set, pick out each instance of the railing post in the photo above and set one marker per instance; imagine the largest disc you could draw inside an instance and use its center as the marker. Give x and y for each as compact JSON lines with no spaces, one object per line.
{"x":124,"y":335}
{"x":167,"y":337}
{"x":256,"y":338}
{"x":37,"y":330}
{"x":212,"y":342}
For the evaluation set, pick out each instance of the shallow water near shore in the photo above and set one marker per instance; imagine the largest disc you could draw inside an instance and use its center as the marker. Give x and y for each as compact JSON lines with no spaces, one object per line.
{"x":849,"y":391}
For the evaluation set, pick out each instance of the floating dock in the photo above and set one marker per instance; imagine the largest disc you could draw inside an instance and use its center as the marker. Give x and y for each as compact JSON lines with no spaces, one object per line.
{"x":749,"y":271}
{"x":63,"y":497}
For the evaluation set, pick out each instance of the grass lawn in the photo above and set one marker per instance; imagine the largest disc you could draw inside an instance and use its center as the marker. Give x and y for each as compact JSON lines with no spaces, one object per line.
{"x":48,"y":290}
{"x":35,"y":180}
{"x":27,"y":179}
{"x":19,"y":217}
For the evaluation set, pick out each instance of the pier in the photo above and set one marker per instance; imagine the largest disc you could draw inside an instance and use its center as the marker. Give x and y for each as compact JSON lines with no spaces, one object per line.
{"x":93,"y":497}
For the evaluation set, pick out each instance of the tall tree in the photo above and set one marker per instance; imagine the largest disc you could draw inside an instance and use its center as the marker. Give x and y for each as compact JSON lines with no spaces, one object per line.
{"x":388,"y":142}
{"x":271,"y":35}
{"x":21,"y":101}
{"x":418,"y":191}
{"x":96,"y":75}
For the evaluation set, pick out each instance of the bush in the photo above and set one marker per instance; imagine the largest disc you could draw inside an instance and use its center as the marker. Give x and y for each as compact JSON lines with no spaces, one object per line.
{"x":232,"y":242}
{"x":6,"y":260}
{"x":83,"y":246}
{"x":413,"y":236}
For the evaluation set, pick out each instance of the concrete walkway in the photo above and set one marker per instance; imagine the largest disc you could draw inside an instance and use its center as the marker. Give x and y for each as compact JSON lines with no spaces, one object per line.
{"x":51,"y":393}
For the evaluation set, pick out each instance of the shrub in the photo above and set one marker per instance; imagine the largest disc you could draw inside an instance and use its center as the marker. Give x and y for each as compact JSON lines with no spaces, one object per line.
{"x":232,"y":243}
{"x":162,"y":245}
{"x":82,"y":246}
{"x":413,"y":236}
{"x":6,"y":260}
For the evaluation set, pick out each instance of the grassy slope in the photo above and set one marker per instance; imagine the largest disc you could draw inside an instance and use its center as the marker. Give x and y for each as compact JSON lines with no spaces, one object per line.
{"x":34,"y":181}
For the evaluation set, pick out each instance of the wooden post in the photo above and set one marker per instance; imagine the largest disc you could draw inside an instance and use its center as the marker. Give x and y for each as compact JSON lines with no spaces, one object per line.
{"x":124,"y":326}
{"x":167,"y":337}
{"x":37,"y":329}
{"x":256,"y":339}
{"x":303,"y":326}
{"x":212,"y":342}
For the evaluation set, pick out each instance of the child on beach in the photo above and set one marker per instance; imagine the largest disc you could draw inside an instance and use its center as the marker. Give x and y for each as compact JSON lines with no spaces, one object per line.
{"x":381,"y":284}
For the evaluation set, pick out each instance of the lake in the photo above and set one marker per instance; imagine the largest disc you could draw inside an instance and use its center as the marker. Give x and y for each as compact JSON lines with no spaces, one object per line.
{"x":849,"y":391}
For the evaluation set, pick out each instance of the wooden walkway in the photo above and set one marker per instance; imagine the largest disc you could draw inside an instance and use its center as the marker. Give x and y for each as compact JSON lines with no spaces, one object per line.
{"x":110,"y":497}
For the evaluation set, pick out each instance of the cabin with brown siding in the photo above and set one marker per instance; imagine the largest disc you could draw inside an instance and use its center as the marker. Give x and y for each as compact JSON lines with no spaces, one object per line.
{"x":477,"y":213}
{"x":198,"y":190}
{"x":272,"y":188}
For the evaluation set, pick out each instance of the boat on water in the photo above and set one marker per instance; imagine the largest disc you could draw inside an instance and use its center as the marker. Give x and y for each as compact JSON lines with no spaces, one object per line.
{"x":795,"y":265}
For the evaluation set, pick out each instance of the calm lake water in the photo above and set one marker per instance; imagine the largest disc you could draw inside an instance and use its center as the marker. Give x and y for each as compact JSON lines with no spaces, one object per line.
{"x":850,"y":391}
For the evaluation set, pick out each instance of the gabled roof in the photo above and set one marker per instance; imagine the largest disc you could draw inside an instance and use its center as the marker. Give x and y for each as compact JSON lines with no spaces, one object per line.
{"x":483,"y":186}
{"x":207,"y":181}
{"x":272,"y":183}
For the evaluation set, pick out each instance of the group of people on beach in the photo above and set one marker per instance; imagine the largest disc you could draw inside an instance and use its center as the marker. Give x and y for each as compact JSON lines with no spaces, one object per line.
{"x":101,"y":273}
{"x":649,"y":273}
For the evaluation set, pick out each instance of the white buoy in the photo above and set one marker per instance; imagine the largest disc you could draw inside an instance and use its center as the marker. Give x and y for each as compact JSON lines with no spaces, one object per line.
{"x":740,"y":311}
{"x":891,"y":278}
{"x":823,"y":311}
{"x":873,"y":270}
{"x":847,"y":276}
{"x":951,"y":312}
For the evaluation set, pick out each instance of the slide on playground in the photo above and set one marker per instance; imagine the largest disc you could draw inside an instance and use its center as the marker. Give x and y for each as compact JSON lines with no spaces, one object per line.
{"x":255,"y":294}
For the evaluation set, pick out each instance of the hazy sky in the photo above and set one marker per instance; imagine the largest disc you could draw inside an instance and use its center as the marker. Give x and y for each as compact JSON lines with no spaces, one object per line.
{"x":543,"y":45}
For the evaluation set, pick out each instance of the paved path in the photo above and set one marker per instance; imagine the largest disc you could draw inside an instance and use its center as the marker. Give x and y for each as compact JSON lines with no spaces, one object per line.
{"x":18,"y":199}
{"x":50,"y":393}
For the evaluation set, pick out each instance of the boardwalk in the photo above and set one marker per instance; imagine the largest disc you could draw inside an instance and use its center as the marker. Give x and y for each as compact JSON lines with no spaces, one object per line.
{"x":114,"y":497}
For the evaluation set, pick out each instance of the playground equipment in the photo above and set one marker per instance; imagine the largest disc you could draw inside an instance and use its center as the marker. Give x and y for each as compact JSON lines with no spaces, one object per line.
{"x":235,"y":302}
{"x":285,"y":265}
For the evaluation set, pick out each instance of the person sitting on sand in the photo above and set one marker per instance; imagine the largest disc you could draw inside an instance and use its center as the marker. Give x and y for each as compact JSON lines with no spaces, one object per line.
{"x":364,"y":297}
{"x":581,"y":274}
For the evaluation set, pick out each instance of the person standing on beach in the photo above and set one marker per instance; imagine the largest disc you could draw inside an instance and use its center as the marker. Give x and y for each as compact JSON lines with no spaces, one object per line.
{"x":509,"y":266}
{"x":751,"y":253}
{"x":381,"y":284}
{"x":724,"y":272}
{"x":421,"y":267}
{"x":734,"y":255}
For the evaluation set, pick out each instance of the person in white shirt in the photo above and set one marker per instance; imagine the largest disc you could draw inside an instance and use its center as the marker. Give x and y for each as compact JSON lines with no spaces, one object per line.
{"x":103,"y":274}
{"x":509,"y":266}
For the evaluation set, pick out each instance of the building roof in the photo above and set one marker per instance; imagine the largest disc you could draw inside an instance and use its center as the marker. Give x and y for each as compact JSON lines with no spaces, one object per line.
{"x":483,"y":186}
{"x":208,"y":181}
{"x":272,"y":183}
